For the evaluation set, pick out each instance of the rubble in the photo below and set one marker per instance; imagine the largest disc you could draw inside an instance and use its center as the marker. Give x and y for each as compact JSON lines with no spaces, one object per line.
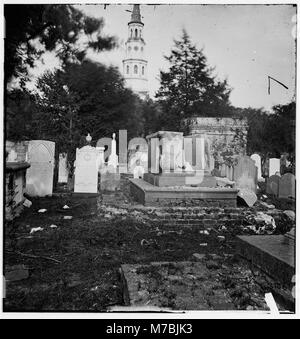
{"x":290,"y":214}
{"x":36,"y":229}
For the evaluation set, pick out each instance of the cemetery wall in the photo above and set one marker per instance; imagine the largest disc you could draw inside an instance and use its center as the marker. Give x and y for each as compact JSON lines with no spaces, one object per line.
{"x":228,"y":136}
{"x":216,"y":128}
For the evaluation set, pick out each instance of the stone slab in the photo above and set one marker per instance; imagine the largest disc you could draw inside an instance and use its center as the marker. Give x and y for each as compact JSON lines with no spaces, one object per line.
{"x":274,"y":254}
{"x":110,"y":181}
{"x":148,"y":194}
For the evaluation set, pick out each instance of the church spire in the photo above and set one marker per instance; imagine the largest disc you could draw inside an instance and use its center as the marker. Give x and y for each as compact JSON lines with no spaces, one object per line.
{"x":136,"y":15}
{"x":135,"y":63}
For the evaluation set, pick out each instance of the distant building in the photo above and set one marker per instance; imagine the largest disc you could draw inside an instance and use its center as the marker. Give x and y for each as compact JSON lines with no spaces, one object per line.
{"x":135,"y":64}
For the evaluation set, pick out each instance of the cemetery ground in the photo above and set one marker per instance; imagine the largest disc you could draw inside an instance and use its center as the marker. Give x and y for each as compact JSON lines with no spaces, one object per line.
{"x":75,"y":264}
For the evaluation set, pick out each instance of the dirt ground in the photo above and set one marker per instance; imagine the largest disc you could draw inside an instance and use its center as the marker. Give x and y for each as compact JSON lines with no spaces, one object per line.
{"x":75,"y":266}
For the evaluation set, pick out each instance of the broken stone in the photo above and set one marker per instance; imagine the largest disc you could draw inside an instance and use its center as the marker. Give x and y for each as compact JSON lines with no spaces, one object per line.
{"x":223,"y":182}
{"x":203,"y":244}
{"x":27,"y":203}
{"x":221,"y":238}
{"x":267,"y":205}
{"x":290,"y":214}
{"x":66,"y":207}
{"x":42,"y":210}
{"x":248,"y":196}
{"x":53,"y":226}
{"x":267,"y":219}
{"x":68,"y":217}
{"x":36,"y":229}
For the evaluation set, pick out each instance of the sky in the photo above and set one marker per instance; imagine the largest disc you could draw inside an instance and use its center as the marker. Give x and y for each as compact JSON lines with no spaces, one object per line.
{"x":245,"y":44}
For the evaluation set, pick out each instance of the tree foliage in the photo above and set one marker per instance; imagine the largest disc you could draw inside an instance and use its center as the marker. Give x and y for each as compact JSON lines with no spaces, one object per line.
{"x":84,"y":98}
{"x":33,"y":29}
{"x":271,"y":134}
{"x":189,"y":87}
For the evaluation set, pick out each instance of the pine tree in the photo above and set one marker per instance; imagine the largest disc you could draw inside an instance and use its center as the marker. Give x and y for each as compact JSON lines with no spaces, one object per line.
{"x":189,"y":87}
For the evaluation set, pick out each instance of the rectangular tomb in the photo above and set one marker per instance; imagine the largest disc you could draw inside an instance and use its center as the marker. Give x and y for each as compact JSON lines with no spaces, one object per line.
{"x":274,"y":254}
{"x":151,"y":195}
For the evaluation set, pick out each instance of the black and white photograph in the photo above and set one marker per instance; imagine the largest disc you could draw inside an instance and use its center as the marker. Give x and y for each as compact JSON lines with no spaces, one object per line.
{"x":149,"y":161}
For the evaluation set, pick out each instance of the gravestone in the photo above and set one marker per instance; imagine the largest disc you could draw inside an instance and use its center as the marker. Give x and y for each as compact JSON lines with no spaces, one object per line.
{"x":105,"y":142}
{"x":86,"y":170}
{"x":257,"y":160}
{"x":138,"y":172}
{"x":123,"y":168}
{"x":274,"y":166}
{"x":273,"y":185}
{"x":39,"y":176}
{"x":100,"y":157}
{"x":287,"y":186}
{"x":153,"y":155}
{"x":245,"y":174}
{"x":137,"y":153}
{"x":188,"y":153}
{"x":113,"y":159}
{"x":62,"y":168}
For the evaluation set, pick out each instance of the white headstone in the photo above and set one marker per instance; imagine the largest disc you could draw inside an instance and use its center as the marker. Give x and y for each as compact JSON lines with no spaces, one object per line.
{"x":257,"y":159}
{"x":39,"y":176}
{"x":113,"y":158}
{"x":138,"y":172}
{"x":86,"y":171}
{"x":100,"y":157}
{"x":63,"y":168}
{"x":274,"y":166}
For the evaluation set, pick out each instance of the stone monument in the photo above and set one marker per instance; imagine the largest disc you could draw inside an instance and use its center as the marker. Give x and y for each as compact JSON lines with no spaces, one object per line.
{"x":172,"y":177}
{"x":86,"y":170}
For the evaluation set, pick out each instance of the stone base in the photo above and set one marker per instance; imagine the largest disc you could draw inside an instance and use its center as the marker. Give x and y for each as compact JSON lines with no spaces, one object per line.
{"x":274,"y":254}
{"x":109,"y":181}
{"x":203,"y":179}
{"x":150,"y":195}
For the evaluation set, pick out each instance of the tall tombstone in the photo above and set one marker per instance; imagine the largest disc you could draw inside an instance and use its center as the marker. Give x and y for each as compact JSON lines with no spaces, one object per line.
{"x":274,"y":166}
{"x":287,"y":186}
{"x":257,"y":160}
{"x":100,"y":157}
{"x":113,"y":159}
{"x":86,"y":170}
{"x":137,"y":154}
{"x":272,"y":187}
{"x":245,"y":174}
{"x":153,"y":155}
{"x":123,"y":167}
{"x":171,"y":151}
{"x":188,"y":152}
{"x":39,"y":176}
{"x":62,"y":168}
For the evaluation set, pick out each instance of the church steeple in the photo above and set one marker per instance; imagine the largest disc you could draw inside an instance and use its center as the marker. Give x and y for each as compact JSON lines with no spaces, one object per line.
{"x":136,"y":15}
{"x":135,"y":63}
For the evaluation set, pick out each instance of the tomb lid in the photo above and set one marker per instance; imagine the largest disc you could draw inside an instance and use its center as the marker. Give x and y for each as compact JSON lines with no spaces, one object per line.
{"x":16,"y":166}
{"x":164,"y":134}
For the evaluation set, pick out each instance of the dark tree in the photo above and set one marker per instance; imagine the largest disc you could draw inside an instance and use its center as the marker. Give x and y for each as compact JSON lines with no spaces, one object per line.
{"x":189,"y":87}
{"x":33,"y":29}
{"x":84,"y":98}
{"x":271,"y":134}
